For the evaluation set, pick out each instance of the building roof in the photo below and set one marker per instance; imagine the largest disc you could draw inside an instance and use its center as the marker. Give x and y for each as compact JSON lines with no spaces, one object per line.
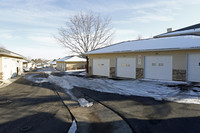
{"x":190,"y":30}
{"x":153,"y":44}
{"x":4,"y":51}
{"x":53,"y":62}
{"x":72,"y":59}
{"x":196,"y":26}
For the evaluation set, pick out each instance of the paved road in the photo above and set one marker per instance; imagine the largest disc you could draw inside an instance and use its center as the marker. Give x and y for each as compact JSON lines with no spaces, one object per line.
{"x":146,"y":115}
{"x":32,"y":108}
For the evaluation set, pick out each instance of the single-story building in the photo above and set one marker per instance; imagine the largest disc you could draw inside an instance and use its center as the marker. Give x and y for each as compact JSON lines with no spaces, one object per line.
{"x":53,"y":64}
{"x":189,"y":30}
{"x":170,"y":58}
{"x":70,"y":63}
{"x":11,"y":64}
{"x":28,"y":65}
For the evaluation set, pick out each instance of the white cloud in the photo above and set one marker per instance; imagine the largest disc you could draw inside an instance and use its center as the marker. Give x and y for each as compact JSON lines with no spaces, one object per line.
{"x":145,"y":16}
{"x":8,"y":36}
{"x":50,"y":41}
{"x":124,"y":35}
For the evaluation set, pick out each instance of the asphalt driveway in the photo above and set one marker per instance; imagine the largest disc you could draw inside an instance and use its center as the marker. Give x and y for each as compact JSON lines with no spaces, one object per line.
{"x":146,"y":115}
{"x":30,"y":107}
{"x":41,"y":107}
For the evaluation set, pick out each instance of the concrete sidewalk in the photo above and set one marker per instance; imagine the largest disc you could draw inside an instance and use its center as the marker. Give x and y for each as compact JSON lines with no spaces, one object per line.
{"x":30,"y":107}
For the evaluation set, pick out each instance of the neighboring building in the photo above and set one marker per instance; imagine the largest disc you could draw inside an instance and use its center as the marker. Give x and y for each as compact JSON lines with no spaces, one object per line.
{"x":11,"y":64}
{"x":170,"y":58}
{"x":190,"y":30}
{"x":28,"y":65}
{"x":53,"y":64}
{"x":38,"y":65}
{"x":70,"y":63}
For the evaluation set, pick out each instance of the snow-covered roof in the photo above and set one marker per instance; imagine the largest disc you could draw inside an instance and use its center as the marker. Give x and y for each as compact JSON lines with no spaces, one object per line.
{"x":154,"y":44}
{"x":183,"y":32}
{"x":4,"y":51}
{"x":53,"y":62}
{"x":64,"y":58}
{"x":72,"y":59}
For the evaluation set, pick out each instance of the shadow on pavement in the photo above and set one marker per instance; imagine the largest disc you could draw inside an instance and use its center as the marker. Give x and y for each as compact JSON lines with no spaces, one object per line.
{"x":38,"y":123}
{"x":25,"y":106}
{"x":146,"y":115}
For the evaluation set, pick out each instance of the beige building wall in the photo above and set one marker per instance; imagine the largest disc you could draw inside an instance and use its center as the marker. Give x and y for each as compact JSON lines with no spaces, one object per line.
{"x":1,"y":65}
{"x":75,"y":65}
{"x":13,"y":63}
{"x":179,"y":59}
{"x":1,"y":69}
{"x":60,"y":65}
{"x":63,"y":66}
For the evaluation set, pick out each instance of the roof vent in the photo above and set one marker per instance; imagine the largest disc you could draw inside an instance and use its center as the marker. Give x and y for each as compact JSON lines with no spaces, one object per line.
{"x":169,"y":30}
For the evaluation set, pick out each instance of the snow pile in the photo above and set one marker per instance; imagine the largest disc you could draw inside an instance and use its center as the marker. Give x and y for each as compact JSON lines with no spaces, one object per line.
{"x":46,"y":70}
{"x":34,"y":78}
{"x":62,"y":82}
{"x":84,"y":103}
{"x":79,"y":71}
{"x":154,"y":89}
{"x":73,"y":127}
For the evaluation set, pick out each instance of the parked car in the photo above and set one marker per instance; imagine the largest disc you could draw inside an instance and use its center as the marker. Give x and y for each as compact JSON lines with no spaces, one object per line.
{"x":26,"y":69}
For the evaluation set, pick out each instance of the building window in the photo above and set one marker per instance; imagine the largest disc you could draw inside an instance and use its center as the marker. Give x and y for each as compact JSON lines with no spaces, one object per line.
{"x":153,"y":64}
{"x":161,"y":64}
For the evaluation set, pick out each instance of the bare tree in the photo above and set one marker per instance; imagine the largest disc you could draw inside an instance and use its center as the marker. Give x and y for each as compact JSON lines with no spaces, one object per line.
{"x":85,"y":32}
{"x":139,"y":37}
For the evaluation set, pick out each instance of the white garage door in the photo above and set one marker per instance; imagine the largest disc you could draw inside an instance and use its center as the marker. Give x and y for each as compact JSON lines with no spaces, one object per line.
{"x":158,"y":67}
{"x":194,"y":67}
{"x":6,"y":68}
{"x":126,"y":67}
{"x":101,"y":67}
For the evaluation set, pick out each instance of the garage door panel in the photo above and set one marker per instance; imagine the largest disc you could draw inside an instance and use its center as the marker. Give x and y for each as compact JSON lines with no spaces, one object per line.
{"x":6,"y":68}
{"x":194,"y":67}
{"x":158,"y":67}
{"x":126,"y":67}
{"x":101,"y":67}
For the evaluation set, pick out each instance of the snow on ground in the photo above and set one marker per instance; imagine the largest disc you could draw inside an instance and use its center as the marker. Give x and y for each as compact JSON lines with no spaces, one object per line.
{"x":155,"y":89}
{"x":47,"y":69}
{"x":80,"y":71}
{"x":84,"y":103}
{"x":34,"y":78}
{"x":62,"y":82}
{"x":159,"y":90}
{"x":73,"y":127}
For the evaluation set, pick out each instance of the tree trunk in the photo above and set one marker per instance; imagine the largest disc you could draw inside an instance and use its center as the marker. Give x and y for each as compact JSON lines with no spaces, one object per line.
{"x":87,"y":64}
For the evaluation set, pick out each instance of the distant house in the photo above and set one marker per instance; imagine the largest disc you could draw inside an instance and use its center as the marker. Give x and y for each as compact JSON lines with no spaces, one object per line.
{"x":170,"y":58}
{"x":11,"y":64}
{"x":53,"y":64}
{"x":70,"y":63}
{"x":28,"y":65}
{"x":190,"y":30}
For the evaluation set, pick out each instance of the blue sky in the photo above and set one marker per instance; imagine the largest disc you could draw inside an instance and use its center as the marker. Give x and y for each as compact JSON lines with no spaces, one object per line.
{"x":27,"y":27}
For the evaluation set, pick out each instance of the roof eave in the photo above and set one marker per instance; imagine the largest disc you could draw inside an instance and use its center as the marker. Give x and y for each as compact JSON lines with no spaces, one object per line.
{"x":151,"y":50}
